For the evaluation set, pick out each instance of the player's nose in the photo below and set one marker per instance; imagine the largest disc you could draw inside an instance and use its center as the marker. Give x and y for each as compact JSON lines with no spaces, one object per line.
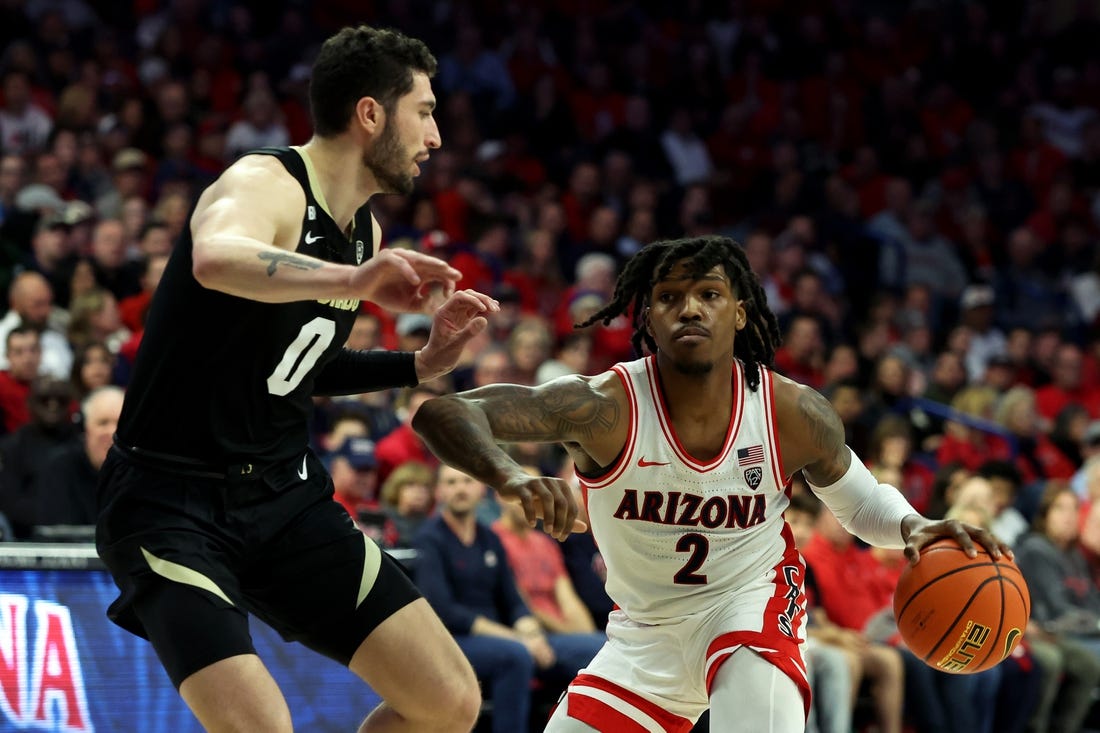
{"x":433,"y":140}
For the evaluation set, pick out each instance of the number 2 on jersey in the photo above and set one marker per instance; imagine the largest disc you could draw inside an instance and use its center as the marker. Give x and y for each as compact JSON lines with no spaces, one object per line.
{"x":698,"y":546}
{"x":304,"y":351}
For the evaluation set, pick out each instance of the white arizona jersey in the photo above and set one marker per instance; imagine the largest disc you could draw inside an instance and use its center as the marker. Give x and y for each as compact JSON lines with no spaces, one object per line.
{"x":680,"y":534}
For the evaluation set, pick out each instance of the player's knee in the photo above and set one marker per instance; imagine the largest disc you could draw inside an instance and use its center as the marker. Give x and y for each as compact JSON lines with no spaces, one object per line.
{"x":458,"y":706}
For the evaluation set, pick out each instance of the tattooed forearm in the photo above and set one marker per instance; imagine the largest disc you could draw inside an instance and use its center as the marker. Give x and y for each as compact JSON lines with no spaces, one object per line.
{"x":465,"y":431}
{"x":274,"y":259}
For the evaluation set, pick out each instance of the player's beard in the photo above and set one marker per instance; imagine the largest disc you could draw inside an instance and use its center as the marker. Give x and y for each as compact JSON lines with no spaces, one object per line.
{"x":386,"y":162}
{"x":693,"y":368}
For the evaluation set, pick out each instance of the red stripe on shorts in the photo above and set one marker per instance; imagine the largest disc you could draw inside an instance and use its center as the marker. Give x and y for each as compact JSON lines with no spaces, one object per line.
{"x":601,"y":716}
{"x":777,"y":649}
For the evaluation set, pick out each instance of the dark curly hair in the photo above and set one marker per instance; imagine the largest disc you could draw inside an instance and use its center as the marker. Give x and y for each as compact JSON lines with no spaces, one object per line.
{"x":757,"y":341}
{"x":362,"y":62}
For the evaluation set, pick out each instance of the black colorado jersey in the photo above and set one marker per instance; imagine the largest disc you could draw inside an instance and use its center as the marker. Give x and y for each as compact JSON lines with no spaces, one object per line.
{"x":223,"y":380}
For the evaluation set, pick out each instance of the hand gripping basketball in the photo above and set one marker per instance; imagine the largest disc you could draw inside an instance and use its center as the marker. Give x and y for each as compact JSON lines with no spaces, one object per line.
{"x":958,"y":613}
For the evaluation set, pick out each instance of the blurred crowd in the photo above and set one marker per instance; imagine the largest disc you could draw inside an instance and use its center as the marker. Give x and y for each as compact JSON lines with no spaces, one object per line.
{"x":916,"y":184}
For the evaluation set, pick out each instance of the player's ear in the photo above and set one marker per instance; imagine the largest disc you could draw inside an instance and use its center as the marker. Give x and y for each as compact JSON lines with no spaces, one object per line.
{"x":742,"y":316}
{"x":645,"y":321}
{"x":370,"y":114}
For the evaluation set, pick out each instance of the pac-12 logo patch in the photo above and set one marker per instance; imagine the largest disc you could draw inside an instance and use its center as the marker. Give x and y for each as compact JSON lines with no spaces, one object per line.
{"x":753,"y":477}
{"x":358,"y":251}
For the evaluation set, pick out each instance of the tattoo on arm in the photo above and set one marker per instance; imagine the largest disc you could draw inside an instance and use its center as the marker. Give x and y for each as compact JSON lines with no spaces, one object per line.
{"x":826,"y":432}
{"x":290,"y":260}
{"x":570,"y":413}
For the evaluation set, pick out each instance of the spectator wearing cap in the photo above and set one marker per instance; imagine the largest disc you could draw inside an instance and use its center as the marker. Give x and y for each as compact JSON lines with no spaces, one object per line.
{"x":129,"y":177}
{"x":976,"y":309}
{"x":24,"y":126}
{"x":354,"y":469}
{"x":51,"y":256}
{"x":413,"y":330}
{"x":30,"y":302}
{"x":1000,"y":373}
{"x":510,"y":314}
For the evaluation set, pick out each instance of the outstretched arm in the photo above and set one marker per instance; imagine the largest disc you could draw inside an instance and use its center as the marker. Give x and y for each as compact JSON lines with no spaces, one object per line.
{"x":245,"y":231}
{"x":463,"y":431}
{"x":812,"y":437}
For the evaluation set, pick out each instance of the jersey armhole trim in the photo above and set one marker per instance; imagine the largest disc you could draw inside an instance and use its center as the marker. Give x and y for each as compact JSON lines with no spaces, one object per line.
{"x":314,"y":181}
{"x":590,"y":482}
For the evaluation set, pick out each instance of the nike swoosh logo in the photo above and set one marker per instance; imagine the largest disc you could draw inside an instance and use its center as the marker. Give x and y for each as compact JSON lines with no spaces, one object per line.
{"x":643,"y":463}
{"x":302,"y":473}
{"x":310,"y":239}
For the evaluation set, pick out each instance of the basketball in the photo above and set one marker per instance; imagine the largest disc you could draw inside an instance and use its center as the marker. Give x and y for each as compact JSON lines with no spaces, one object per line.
{"x":959,"y":614}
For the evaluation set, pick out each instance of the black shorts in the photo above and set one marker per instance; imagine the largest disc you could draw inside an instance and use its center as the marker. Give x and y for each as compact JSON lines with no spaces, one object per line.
{"x":193,"y":556}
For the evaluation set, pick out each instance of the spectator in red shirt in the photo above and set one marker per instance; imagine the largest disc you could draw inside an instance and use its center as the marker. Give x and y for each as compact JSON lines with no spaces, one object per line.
{"x":971,"y":446}
{"x":1067,"y":385}
{"x":855,"y":589}
{"x":802,"y":355}
{"x":1036,"y":456}
{"x":402,"y":443}
{"x":892,"y":447}
{"x":24,"y":357}
{"x":354,"y":474}
{"x":540,"y":573}
{"x":132,"y":308}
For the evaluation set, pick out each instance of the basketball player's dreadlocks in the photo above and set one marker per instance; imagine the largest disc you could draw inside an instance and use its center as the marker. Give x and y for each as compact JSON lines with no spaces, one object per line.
{"x":757,"y":341}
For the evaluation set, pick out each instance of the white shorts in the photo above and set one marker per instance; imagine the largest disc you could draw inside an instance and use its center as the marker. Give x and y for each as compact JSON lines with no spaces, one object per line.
{"x":657,"y":678}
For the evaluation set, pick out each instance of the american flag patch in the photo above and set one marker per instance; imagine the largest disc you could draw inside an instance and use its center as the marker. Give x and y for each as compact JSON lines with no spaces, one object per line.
{"x":748,"y":456}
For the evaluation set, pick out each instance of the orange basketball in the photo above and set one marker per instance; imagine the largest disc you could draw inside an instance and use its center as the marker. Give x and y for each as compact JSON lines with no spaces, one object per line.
{"x":959,"y":614}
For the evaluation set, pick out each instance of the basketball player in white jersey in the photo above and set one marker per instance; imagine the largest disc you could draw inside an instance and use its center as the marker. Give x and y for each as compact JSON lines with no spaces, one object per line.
{"x":684,"y":458}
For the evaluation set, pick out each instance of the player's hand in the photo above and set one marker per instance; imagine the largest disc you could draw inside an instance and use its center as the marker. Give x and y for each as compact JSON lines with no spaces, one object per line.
{"x":540,"y":650}
{"x":919,"y":531}
{"x":457,"y":321}
{"x":546,"y":498}
{"x":405,"y":281}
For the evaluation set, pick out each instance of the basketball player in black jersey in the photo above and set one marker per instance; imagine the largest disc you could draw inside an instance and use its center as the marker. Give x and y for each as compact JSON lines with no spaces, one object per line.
{"x":212,"y":507}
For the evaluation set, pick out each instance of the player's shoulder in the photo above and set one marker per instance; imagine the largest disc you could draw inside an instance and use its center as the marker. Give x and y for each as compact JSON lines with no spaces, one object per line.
{"x":263,"y":174}
{"x":605,"y":385}
{"x":789,"y":394}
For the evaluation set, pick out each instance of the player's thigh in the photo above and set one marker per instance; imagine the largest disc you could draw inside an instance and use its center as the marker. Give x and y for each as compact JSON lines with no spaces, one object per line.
{"x":205,"y":646}
{"x":237,"y":694}
{"x":413,"y":662}
{"x":750,"y":693}
{"x":323,"y":583}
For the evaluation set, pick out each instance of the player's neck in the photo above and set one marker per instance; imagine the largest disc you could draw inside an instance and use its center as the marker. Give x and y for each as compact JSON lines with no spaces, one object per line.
{"x":695,"y":394}
{"x":345,"y":182}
